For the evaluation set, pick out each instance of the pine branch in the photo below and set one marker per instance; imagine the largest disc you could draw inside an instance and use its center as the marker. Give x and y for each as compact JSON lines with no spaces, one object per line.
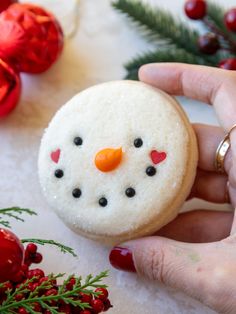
{"x":63,"y":248}
{"x":216,"y":14}
{"x":163,"y":55}
{"x":156,"y":24}
{"x":214,"y":21}
{"x":46,"y":302}
{"x":13,"y":212}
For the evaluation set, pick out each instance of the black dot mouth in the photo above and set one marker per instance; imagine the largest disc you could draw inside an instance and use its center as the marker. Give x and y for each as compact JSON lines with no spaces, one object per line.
{"x":151,"y":171}
{"x":130,"y":192}
{"x":78,"y":141}
{"x":103,"y":202}
{"x":59,"y":173}
{"x":76,"y":193}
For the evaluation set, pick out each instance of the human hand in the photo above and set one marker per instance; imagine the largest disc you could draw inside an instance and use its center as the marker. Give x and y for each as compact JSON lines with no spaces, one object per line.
{"x":195,"y":253}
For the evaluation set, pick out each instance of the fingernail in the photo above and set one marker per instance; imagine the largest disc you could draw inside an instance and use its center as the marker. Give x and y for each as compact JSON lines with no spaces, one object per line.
{"x":121,"y":258}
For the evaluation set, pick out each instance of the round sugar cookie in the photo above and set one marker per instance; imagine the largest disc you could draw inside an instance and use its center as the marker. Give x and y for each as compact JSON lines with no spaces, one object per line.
{"x":118,"y":161}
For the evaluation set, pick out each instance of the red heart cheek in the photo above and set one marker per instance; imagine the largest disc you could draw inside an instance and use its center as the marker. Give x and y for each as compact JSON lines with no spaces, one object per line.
{"x":56,"y":155}
{"x":158,"y":157}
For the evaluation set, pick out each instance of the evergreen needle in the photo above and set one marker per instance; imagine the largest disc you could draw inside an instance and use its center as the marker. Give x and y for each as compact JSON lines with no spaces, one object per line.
{"x":64,"y":295}
{"x":13,"y":212}
{"x":162,"y":55}
{"x":63,"y":248}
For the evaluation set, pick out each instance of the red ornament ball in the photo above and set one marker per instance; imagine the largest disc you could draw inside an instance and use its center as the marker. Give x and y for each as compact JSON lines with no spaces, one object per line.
{"x":12,"y":253}
{"x":228,"y":64}
{"x":10,"y":89}
{"x":208,"y":44}
{"x":36,"y":40}
{"x":195,"y":9}
{"x":230,"y":20}
{"x":4,"y":4}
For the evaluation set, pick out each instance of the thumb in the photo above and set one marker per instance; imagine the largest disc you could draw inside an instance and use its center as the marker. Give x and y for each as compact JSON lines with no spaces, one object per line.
{"x":179,"y":265}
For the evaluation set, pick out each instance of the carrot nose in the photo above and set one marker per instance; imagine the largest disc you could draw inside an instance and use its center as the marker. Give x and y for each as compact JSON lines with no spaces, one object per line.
{"x":108,"y":159}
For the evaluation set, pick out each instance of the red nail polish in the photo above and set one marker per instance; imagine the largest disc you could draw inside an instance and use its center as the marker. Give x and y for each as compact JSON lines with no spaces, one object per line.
{"x":121,"y":258}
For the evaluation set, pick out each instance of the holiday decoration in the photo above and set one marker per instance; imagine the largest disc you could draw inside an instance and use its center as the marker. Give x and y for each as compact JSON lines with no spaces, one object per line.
{"x":228,"y":64}
{"x":44,"y":38}
{"x":11,"y":255}
{"x":195,"y":9}
{"x":31,"y":40}
{"x":4,"y":4}
{"x":230,"y":20}
{"x":28,"y":290}
{"x":179,"y":43}
{"x":10,"y":88}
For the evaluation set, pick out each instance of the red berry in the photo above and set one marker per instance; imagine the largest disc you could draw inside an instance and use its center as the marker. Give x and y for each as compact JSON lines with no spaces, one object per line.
{"x":31,"y":248}
{"x":22,"y":310}
{"x":85,"y":312}
{"x":195,"y":9}
{"x":51,"y":291}
{"x":37,"y":258}
{"x":19,"y":277}
{"x":107,"y":305}
{"x":11,"y":249}
{"x":85,"y":298}
{"x":230,"y":20}
{"x":97,"y":305}
{"x":103,"y":295}
{"x":228,"y":64}
{"x":208,"y":43}
{"x":71,"y":284}
{"x":4,"y":4}
{"x":38,"y":273}
{"x":65,"y":308}
{"x":32,"y":286}
{"x":37,"y":307}
{"x":19,"y":296}
{"x":7,"y":286}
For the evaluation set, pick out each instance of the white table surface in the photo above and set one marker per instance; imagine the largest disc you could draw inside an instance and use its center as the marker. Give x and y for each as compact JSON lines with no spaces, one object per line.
{"x":102,"y":43}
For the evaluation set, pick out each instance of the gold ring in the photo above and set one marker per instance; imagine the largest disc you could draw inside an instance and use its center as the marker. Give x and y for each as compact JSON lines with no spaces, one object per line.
{"x":222,"y":150}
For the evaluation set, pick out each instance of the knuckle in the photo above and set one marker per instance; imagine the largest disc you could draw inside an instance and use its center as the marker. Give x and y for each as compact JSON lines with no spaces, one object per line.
{"x":154,"y":264}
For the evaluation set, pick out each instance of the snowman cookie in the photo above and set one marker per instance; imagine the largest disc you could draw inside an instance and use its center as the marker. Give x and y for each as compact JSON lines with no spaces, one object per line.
{"x":118,"y":161}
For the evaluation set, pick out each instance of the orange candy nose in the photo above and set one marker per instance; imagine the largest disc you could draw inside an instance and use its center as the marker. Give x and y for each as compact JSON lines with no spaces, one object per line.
{"x":108,"y":159}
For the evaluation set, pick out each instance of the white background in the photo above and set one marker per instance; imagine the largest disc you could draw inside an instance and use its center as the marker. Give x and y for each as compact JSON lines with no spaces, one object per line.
{"x":103,"y":42}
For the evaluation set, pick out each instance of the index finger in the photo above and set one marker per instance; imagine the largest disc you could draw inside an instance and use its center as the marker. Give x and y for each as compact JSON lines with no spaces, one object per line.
{"x":210,"y":85}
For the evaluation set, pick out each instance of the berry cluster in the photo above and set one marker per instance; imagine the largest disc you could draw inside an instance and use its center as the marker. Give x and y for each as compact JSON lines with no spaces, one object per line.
{"x":210,"y":43}
{"x":22,"y":283}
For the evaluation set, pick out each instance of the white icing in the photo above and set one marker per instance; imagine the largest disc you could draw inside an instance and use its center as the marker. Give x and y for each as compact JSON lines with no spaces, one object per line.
{"x":112,"y":115}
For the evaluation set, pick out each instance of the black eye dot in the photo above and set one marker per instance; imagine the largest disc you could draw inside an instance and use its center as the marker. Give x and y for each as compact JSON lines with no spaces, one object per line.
{"x":78,"y":141}
{"x":130,"y":192}
{"x":59,"y":173}
{"x":138,"y":142}
{"x":151,"y":171}
{"x":76,"y":193}
{"x":102,"y":202}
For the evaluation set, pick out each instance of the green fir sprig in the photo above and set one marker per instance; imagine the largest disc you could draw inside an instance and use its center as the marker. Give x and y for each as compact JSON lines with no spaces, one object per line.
{"x":10,"y":305}
{"x":13,"y":212}
{"x":173,"y":40}
{"x":62,"y":247}
{"x":160,"y":55}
